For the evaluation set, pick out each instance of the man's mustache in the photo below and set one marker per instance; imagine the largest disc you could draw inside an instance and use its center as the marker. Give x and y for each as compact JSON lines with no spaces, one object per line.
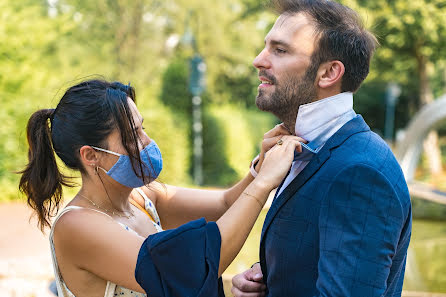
{"x":269,"y":77}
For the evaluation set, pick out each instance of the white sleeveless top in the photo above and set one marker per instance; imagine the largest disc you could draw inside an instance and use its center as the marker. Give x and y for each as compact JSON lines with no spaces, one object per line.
{"x":111,"y":289}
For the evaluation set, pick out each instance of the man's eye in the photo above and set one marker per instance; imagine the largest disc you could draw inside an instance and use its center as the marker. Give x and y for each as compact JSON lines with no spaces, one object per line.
{"x":280,"y":51}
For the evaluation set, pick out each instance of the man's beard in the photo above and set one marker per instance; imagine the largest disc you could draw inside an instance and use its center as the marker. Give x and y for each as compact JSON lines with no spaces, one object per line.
{"x":291,"y":93}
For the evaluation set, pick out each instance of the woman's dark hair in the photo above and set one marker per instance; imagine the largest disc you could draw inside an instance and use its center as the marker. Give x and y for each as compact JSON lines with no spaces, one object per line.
{"x":341,"y":36}
{"x":87,"y":113}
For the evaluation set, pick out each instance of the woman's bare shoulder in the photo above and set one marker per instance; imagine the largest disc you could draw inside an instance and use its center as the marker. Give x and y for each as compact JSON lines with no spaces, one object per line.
{"x":84,"y":227}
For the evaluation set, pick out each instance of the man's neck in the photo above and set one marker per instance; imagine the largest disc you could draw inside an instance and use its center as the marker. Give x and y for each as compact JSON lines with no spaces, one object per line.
{"x":290,"y":121}
{"x":327,"y":92}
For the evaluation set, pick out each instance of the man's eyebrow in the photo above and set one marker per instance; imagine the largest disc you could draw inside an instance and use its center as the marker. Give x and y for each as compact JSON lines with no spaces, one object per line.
{"x":274,"y":42}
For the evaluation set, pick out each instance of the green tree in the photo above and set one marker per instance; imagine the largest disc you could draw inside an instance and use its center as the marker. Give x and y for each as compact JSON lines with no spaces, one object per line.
{"x":29,"y":61}
{"x":412,"y":36}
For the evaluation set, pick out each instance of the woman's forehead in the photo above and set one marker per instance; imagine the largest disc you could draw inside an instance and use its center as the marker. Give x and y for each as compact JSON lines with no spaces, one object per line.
{"x":137,"y":117}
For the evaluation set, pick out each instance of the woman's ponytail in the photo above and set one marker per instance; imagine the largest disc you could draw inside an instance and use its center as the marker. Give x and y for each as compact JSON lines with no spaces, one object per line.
{"x":41,"y":180}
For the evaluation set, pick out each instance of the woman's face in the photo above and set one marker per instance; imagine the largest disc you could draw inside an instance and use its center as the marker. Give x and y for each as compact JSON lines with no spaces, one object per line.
{"x":114,"y":141}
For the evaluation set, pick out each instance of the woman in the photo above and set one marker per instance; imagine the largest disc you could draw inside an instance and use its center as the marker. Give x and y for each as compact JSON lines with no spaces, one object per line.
{"x":97,"y":129}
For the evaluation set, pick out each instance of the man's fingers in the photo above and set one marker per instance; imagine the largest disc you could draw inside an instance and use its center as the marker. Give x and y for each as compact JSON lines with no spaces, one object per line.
{"x":244,"y":281}
{"x":248,"y":286}
{"x":237,"y":293}
{"x":255,"y":273}
{"x":257,"y":277}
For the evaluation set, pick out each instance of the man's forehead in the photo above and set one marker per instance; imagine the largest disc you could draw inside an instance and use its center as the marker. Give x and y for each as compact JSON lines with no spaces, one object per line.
{"x":290,"y":25}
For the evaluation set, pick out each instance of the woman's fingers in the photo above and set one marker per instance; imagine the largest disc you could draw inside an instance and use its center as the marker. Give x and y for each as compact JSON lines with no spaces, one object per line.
{"x":268,"y":143}
{"x":293,"y":141}
{"x":278,"y":161}
{"x":277,"y":130}
{"x":286,"y":144}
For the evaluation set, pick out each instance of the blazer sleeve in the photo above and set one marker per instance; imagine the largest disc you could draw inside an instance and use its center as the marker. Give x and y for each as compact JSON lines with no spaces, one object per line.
{"x":181,"y":262}
{"x":360,"y":223}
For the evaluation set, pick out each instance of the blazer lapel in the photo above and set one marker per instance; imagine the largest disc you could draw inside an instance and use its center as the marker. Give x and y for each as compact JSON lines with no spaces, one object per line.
{"x":356,"y":125}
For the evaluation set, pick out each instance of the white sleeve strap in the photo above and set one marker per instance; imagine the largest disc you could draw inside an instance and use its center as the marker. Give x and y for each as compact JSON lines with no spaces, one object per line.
{"x":253,"y":165}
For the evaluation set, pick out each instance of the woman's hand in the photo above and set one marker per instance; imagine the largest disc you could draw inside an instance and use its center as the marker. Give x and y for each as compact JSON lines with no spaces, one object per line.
{"x":270,"y":139}
{"x":278,"y":161}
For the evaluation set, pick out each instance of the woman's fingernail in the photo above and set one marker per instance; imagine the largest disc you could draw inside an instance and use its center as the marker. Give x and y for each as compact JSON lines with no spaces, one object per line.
{"x":258,"y":275}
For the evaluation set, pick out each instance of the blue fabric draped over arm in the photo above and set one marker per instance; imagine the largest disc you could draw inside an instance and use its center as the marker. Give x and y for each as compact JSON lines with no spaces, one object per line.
{"x":181,"y":262}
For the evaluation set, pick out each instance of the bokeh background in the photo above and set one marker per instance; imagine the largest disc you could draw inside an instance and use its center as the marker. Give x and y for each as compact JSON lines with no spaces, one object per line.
{"x":48,"y":45}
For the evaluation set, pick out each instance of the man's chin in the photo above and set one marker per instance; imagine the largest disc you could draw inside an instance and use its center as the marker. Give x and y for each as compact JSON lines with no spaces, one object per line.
{"x":262,"y":103}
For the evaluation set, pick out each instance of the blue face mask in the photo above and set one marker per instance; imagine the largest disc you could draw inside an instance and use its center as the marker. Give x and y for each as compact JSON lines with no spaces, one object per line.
{"x":123,"y":173}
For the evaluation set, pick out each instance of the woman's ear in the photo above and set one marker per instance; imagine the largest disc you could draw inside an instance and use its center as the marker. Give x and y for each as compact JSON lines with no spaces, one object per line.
{"x":88,"y":155}
{"x":330,"y":74}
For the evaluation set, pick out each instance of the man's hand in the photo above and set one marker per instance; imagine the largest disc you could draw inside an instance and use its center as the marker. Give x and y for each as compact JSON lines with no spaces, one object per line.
{"x":249,"y":283}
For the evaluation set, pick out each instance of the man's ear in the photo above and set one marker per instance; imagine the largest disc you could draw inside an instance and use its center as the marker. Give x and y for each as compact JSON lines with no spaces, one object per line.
{"x":88,"y":156}
{"x":330,"y":74}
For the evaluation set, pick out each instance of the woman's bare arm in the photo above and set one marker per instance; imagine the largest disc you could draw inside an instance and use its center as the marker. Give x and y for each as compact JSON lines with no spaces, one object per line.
{"x":238,"y":221}
{"x":177,"y":205}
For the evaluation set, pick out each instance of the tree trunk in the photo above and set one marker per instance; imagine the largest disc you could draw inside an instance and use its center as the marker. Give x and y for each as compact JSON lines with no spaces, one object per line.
{"x":431,"y":146}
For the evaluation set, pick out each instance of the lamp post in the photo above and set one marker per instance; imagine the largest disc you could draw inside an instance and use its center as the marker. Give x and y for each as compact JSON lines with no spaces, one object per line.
{"x":393,"y":91}
{"x":197,"y":71}
{"x":197,"y":87}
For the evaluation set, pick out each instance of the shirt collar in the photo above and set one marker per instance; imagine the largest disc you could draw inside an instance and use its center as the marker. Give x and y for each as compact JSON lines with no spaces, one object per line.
{"x":313,"y":119}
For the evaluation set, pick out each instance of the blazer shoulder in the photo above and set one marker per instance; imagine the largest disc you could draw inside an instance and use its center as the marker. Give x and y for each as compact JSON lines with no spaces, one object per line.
{"x":365,"y":148}
{"x":369,"y":150}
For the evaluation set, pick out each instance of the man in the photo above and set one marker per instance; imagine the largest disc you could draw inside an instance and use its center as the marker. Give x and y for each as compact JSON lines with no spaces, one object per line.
{"x":340,"y":223}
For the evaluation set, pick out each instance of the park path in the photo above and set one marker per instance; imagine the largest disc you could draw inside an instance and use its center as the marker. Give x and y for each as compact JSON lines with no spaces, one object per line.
{"x":25,"y":261}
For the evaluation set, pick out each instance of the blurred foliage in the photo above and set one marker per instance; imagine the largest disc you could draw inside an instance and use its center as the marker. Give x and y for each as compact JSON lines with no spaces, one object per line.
{"x":49,"y":45}
{"x":423,"y":209}
{"x":426,"y":258}
{"x":412,"y":37}
{"x":231,"y":140}
{"x":174,"y":89}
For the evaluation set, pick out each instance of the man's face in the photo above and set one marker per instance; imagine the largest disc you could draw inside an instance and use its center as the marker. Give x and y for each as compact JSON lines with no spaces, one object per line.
{"x":285,"y":68}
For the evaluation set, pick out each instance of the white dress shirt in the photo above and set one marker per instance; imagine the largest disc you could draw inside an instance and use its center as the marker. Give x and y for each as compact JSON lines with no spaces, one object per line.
{"x":317,"y":122}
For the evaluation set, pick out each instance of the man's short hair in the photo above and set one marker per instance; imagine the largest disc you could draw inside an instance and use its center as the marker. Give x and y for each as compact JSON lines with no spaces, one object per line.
{"x":341,"y":36}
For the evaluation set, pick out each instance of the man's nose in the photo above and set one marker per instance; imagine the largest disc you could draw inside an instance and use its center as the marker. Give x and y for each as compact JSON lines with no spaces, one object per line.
{"x":262,"y":61}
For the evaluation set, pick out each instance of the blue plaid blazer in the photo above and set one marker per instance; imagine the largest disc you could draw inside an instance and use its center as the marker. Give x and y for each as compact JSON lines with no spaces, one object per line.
{"x":342,"y":227}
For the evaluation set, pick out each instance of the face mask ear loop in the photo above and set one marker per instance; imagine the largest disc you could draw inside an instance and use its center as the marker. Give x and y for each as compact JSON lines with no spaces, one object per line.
{"x":107,"y":151}
{"x":97,"y":169}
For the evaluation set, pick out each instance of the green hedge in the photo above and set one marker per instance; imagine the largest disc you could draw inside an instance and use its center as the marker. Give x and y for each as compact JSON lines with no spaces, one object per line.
{"x":171,"y":132}
{"x":427,"y":210}
{"x":232,"y":136}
